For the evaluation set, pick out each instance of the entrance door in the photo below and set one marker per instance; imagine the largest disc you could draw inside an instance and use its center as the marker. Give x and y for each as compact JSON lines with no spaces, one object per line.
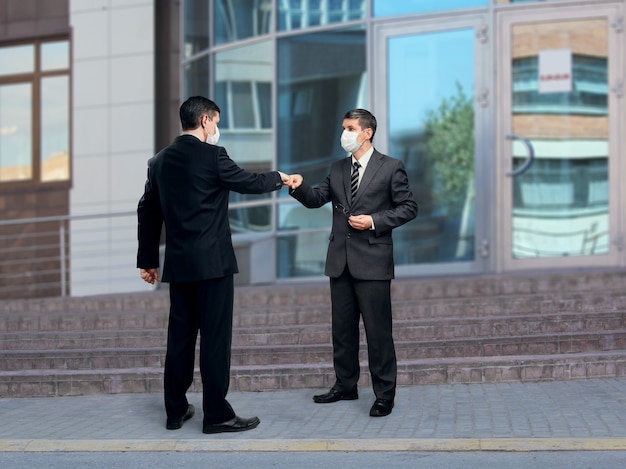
{"x":557,"y":137}
{"x":429,"y":109}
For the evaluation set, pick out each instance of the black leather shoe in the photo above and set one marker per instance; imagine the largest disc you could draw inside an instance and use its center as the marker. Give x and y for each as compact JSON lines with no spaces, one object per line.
{"x":237,"y":424}
{"x":175,"y":424}
{"x":333,"y":396}
{"x":381,"y":408}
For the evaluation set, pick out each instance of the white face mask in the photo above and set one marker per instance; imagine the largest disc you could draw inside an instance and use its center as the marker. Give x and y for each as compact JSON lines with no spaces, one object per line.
{"x":212,"y":139}
{"x":349,"y":141}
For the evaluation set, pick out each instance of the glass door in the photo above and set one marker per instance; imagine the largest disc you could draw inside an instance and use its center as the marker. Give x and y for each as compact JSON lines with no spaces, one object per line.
{"x":428,"y":112}
{"x":558,"y":153}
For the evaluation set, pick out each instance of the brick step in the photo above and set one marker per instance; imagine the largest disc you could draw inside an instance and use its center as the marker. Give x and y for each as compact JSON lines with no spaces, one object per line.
{"x":302,"y":295}
{"x":538,"y":305}
{"x":435,"y":349}
{"x":132,"y":357}
{"x":596,"y":365}
{"x":79,"y":340}
{"x":408,"y":329}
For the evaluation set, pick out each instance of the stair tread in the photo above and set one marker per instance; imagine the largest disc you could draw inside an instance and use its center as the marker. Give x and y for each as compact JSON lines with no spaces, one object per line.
{"x":401,"y":363}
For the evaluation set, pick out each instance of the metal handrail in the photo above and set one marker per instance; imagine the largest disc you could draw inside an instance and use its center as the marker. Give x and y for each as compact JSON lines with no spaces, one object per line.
{"x":36,"y":262}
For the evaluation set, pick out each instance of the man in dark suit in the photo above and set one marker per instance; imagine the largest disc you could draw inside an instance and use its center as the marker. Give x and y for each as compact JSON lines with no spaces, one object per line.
{"x":371,"y":196}
{"x":187,"y":189}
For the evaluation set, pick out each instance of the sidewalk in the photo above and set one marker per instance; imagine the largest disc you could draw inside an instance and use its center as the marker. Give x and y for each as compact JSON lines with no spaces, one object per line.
{"x":568,"y":415}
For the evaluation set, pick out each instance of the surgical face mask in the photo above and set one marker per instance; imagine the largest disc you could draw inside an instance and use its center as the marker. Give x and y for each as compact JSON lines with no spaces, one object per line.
{"x":212,"y":139}
{"x":349,"y":141}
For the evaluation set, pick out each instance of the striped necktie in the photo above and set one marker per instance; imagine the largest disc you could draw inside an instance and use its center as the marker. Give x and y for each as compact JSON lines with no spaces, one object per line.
{"x":354,"y":178}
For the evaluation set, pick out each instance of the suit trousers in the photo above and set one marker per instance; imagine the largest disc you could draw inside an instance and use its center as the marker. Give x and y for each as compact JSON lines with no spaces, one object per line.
{"x":370,"y":299}
{"x":205,"y":306}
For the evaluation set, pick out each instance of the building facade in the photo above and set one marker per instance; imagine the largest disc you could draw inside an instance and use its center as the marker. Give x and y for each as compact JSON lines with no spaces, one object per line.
{"x":508,"y":116}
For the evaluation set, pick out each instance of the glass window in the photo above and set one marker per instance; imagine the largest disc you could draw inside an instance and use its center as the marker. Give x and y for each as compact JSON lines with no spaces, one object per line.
{"x":431,"y":128}
{"x":243,"y":86}
{"x":240,"y":19}
{"x":316,"y":86}
{"x":303,"y":240}
{"x":196,"y":27}
{"x":391,"y":8}
{"x":35,"y":113}
{"x":196,"y":77}
{"x":55,"y":118}
{"x":250,"y":219}
{"x":243,"y":91}
{"x":55,"y":55}
{"x":561,"y":203}
{"x":301,"y":14}
{"x":17,"y":59}
{"x":16,"y":132}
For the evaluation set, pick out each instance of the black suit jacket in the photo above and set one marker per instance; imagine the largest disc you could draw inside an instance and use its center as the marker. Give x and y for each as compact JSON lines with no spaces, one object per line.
{"x":187,"y":189}
{"x":384,"y":193}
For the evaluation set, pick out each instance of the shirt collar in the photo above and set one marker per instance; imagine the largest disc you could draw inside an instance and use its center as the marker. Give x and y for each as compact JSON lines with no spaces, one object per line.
{"x":365,"y":158}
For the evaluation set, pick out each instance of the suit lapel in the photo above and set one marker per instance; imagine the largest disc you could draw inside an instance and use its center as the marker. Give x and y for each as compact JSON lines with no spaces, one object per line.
{"x":372,"y":168}
{"x":347,"y":169}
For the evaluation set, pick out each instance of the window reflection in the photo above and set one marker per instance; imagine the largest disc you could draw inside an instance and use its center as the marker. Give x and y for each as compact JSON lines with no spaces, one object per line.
{"x":431,"y":128}
{"x":590,"y":90}
{"x":243,"y":91}
{"x":320,"y":77}
{"x":250,"y":219}
{"x":561,"y":204}
{"x":390,"y":8}
{"x":196,"y":27}
{"x":301,"y":14}
{"x":196,"y":77}
{"x":55,"y":117}
{"x":241,"y":19}
{"x":243,"y":86}
{"x":55,"y":55}
{"x":17,"y":59}
{"x":303,"y":240}
{"x":16,"y":132}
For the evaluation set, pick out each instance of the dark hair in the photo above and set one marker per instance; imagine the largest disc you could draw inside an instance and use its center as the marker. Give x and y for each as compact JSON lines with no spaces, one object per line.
{"x":366,"y":119}
{"x":192,"y":110}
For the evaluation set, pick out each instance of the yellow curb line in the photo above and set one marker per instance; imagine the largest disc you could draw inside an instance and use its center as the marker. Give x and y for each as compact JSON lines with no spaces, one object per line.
{"x":312,"y":445}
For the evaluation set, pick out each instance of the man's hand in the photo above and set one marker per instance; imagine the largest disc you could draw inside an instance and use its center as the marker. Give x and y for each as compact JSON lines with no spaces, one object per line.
{"x":149,"y":275}
{"x":361,"y":222}
{"x":285,"y":177}
{"x":295,"y":180}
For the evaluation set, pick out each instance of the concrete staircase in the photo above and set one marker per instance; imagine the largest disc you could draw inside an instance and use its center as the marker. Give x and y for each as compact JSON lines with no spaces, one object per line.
{"x":448,"y":330}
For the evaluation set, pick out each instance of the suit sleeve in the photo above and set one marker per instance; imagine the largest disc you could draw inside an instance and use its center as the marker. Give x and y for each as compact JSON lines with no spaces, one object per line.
{"x":149,"y":225}
{"x":312,"y":197}
{"x":234,"y":178}
{"x":404,"y":207}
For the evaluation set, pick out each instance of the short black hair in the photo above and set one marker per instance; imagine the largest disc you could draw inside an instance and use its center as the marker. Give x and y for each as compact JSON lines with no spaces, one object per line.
{"x":192,"y":110}
{"x":366,"y":119}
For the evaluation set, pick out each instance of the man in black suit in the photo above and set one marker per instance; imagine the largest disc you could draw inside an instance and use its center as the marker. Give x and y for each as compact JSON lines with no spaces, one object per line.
{"x":371,"y":196}
{"x":187,"y":189}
